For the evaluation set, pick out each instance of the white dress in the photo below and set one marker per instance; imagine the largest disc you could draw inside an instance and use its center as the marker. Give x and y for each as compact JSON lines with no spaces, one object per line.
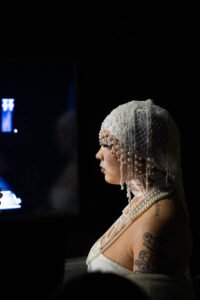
{"x":155,"y":286}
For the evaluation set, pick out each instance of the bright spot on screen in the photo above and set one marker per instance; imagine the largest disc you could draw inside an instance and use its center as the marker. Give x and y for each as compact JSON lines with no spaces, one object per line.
{"x":7,"y":109}
{"x":9,"y":200}
{"x":15,"y":130}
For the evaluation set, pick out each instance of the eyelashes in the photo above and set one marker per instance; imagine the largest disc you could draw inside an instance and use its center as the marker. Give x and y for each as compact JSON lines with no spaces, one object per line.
{"x":107,"y":146}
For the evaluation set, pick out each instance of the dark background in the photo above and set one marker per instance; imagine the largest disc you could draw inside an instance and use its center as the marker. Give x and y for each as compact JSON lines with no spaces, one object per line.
{"x":122,"y":51}
{"x":33,"y":157}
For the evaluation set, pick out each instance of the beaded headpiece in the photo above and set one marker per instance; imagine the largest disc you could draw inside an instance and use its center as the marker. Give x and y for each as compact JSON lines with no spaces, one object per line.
{"x":144,"y":136}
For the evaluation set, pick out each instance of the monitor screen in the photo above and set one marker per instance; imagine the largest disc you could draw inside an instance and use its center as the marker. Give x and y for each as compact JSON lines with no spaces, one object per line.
{"x":38,"y":138}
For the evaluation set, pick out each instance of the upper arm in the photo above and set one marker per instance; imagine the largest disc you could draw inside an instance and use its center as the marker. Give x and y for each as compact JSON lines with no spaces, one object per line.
{"x":148,"y":256}
{"x":151,"y":247}
{"x":161,"y":242}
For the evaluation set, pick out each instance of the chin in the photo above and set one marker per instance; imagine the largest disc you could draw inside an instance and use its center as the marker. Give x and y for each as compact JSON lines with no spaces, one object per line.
{"x":111,"y":180}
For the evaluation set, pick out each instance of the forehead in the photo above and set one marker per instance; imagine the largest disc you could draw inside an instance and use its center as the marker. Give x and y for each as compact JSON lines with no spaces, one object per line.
{"x":106,"y":137}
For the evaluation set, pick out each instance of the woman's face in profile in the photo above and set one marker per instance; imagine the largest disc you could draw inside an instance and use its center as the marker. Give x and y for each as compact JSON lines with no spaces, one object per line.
{"x":109,"y":164}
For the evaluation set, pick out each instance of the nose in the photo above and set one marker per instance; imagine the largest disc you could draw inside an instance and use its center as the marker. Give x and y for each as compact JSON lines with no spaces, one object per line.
{"x":99,"y":154}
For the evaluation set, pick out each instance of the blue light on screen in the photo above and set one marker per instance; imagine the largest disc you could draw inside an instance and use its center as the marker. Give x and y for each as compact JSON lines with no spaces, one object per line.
{"x":7,"y":109}
{"x":8,"y":200}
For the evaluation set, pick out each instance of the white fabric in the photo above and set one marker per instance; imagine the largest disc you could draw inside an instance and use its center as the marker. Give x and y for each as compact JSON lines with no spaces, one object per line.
{"x":156,"y":286}
{"x":148,"y":132}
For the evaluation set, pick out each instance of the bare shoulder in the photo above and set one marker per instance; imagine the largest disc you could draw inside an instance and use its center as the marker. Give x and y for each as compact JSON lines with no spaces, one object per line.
{"x":160,"y":218}
{"x":160,"y":233}
{"x":165,"y":212}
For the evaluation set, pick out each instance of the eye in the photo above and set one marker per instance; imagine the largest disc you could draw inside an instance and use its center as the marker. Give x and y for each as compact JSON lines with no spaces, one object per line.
{"x":106,"y":146}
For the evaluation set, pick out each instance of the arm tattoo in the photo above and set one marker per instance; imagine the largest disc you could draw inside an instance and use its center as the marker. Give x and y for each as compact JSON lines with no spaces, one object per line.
{"x":149,"y":260}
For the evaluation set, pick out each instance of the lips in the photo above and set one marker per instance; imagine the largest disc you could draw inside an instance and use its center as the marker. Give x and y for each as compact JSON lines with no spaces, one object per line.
{"x":102,"y":169}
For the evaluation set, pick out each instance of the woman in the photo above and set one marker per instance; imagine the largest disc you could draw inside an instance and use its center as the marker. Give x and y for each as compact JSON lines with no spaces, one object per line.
{"x":150,"y":243}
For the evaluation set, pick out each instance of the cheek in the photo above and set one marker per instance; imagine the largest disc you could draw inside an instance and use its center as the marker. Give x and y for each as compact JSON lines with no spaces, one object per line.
{"x":112,"y":162}
{"x":113,"y":170}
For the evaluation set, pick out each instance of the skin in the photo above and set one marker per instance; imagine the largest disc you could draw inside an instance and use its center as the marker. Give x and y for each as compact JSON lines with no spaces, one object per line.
{"x":159,"y":241}
{"x":109,"y":165}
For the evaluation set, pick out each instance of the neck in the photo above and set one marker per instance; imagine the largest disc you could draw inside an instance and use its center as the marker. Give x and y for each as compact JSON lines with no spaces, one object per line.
{"x":138,"y":186}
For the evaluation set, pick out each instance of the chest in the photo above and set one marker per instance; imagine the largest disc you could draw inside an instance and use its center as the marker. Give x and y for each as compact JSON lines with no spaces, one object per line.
{"x":121,"y":250}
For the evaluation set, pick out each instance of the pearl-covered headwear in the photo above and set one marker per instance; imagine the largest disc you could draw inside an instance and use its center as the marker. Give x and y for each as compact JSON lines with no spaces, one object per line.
{"x":144,"y":136}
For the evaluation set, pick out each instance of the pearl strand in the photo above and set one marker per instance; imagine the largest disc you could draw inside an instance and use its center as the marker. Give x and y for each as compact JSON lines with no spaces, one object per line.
{"x":124,"y":221}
